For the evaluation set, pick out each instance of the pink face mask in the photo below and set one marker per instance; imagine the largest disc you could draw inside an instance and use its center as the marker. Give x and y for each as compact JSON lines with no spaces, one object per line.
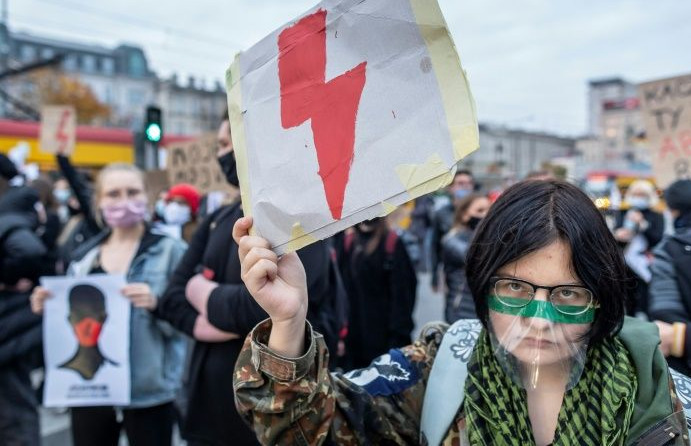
{"x":125,"y":214}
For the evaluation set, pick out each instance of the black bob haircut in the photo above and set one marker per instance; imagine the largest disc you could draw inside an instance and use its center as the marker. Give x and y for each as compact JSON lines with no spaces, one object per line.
{"x":531,"y":215}
{"x":87,"y":300}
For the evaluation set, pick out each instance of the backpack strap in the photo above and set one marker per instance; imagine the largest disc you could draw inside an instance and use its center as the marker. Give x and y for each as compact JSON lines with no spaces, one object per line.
{"x":446,"y":383}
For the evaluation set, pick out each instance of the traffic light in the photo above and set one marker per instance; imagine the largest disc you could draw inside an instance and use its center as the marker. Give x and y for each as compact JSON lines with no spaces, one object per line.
{"x":153,"y":125}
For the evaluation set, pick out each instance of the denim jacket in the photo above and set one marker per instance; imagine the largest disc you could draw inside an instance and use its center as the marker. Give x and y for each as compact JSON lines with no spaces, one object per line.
{"x":157,"y":350}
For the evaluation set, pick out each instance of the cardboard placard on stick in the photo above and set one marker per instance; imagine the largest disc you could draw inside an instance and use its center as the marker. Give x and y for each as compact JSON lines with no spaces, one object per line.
{"x":58,"y":129}
{"x":666,"y":108}
{"x":339,"y":116}
{"x":195,"y":162}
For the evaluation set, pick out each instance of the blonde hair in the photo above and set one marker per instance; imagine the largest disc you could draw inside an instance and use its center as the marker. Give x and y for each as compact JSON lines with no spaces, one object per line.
{"x":643,"y":186}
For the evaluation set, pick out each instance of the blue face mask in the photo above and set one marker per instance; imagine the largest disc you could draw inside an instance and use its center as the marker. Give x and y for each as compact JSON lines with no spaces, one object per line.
{"x":639,"y":203}
{"x":461,"y":194}
{"x":62,"y":195}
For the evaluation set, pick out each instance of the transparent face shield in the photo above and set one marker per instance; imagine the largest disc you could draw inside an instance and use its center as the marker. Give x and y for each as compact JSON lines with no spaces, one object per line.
{"x":538,"y":337}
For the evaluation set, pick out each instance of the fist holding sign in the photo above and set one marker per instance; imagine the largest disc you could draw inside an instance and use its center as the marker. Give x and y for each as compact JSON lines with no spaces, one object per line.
{"x":351,"y":110}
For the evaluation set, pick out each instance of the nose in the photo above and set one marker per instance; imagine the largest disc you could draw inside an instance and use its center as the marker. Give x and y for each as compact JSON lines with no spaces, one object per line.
{"x":539,"y":323}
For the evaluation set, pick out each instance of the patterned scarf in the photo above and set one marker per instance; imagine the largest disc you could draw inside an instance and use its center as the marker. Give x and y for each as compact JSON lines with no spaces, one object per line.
{"x":596,"y":411}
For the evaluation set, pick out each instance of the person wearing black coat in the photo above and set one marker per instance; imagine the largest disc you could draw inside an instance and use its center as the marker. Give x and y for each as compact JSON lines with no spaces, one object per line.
{"x":207,"y":300}
{"x":381,"y":284}
{"x":23,"y":259}
{"x":83,"y":224}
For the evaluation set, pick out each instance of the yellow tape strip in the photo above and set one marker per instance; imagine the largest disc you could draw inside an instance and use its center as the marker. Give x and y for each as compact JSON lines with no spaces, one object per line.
{"x":237,"y":125}
{"x":299,"y":238}
{"x":456,"y":96}
{"x":421,"y":179}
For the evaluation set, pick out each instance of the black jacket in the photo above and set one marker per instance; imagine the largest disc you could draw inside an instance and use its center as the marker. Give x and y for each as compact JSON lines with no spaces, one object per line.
{"x":20,"y":328}
{"x":670,"y":289}
{"x":211,"y":414}
{"x":381,"y":288}
{"x":88,"y":226}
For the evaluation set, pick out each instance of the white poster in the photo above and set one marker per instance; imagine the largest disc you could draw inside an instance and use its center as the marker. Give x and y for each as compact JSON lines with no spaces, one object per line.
{"x":350,"y":110}
{"x":58,"y":129}
{"x":86,"y":334}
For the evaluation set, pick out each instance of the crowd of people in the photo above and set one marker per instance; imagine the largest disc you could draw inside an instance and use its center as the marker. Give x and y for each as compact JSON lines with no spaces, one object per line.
{"x":535,"y":280}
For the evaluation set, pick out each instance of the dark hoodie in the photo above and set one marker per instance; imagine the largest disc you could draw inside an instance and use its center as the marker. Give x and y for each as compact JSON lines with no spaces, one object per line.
{"x":22,"y":253}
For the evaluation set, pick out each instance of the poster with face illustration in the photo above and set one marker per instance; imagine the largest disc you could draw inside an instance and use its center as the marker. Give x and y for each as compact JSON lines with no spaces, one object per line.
{"x":86,"y":337}
{"x":345,"y":113}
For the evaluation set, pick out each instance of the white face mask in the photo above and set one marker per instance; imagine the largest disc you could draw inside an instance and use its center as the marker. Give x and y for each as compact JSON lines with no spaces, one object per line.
{"x":177,"y":214}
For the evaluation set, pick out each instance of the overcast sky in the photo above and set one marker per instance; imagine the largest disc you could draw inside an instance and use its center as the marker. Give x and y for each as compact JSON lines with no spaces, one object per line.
{"x":528,"y":61}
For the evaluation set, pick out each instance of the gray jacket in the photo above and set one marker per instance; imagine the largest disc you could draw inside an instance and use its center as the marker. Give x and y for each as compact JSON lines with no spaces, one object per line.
{"x":157,"y":350}
{"x":459,"y":300}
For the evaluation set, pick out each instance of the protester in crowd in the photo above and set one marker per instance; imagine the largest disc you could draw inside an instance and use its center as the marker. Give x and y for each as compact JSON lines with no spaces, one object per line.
{"x":207,"y":300}
{"x":181,"y":210}
{"x":551,"y":361}
{"x":23,"y":259}
{"x":638,"y":228}
{"x":420,"y":227}
{"x":83,"y":223}
{"x":459,"y":301}
{"x":381,"y":284}
{"x":51,"y":229}
{"x":670,"y":285}
{"x":463,"y":184}
{"x":157,"y":351}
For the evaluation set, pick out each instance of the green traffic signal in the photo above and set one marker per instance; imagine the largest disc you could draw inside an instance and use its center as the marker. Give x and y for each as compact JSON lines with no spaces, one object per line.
{"x":153,"y":132}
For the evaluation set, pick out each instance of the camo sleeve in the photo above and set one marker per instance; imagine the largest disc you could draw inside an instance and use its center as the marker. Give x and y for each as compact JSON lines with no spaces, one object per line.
{"x":297,"y":401}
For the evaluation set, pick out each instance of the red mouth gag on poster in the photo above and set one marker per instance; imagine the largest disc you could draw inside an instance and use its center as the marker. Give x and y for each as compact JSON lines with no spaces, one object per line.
{"x":88,"y":330}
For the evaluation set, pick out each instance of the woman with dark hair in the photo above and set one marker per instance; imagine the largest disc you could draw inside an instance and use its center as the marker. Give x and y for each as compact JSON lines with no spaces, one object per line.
{"x":454,"y":249}
{"x":552,"y":359}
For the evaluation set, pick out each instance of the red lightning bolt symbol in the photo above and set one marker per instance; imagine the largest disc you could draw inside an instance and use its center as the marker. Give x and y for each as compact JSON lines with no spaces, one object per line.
{"x":61,"y":135}
{"x":332,"y":106}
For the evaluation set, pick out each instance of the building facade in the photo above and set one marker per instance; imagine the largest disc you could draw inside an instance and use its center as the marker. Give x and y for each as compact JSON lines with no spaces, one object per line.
{"x":119,"y":77}
{"x":507,"y":155}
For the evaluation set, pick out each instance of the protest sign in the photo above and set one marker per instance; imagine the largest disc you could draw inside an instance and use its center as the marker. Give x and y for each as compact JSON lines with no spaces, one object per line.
{"x":666,"y":108}
{"x":156,"y":182}
{"x":195,"y":162}
{"x":353,"y":109}
{"x":86,"y":337}
{"x":58,"y":129}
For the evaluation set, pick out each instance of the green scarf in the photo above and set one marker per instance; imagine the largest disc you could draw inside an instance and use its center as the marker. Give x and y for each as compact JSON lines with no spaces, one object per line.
{"x":596,"y":411}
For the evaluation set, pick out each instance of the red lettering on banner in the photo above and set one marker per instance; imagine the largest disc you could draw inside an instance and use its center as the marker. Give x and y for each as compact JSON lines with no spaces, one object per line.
{"x":60,"y":135}
{"x":676,"y":147}
{"x":332,"y":106}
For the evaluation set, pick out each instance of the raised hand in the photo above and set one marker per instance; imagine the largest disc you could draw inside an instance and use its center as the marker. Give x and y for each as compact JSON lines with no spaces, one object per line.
{"x":278,"y":285}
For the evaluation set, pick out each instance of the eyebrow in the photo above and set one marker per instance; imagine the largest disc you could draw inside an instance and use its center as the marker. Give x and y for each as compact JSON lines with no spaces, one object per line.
{"x":512,"y":276}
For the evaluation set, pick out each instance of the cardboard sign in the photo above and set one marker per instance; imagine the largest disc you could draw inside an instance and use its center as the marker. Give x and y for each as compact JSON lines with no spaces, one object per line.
{"x":86,"y":342}
{"x":354,"y":108}
{"x":58,"y":129}
{"x":156,"y":182}
{"x":666,"y":108}
{"x":195,"y":162}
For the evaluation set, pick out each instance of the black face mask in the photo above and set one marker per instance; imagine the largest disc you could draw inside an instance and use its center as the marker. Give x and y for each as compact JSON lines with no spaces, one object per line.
{"x":229,"y":168}
{"x":473,"y":222}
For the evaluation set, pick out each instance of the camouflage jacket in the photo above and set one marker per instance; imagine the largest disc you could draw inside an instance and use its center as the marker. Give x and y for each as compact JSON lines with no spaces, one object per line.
{"x":299,"y":402}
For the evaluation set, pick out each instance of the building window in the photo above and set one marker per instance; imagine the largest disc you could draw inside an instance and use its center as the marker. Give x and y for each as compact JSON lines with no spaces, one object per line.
{"x":70,"y":63}
{"x":88,"y":63}
{"x":136,"y":98}
{"x":107,"y":66}
{"x":27,"y":53}
{"x":137,"y":66}
{"x":47,"y":53}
